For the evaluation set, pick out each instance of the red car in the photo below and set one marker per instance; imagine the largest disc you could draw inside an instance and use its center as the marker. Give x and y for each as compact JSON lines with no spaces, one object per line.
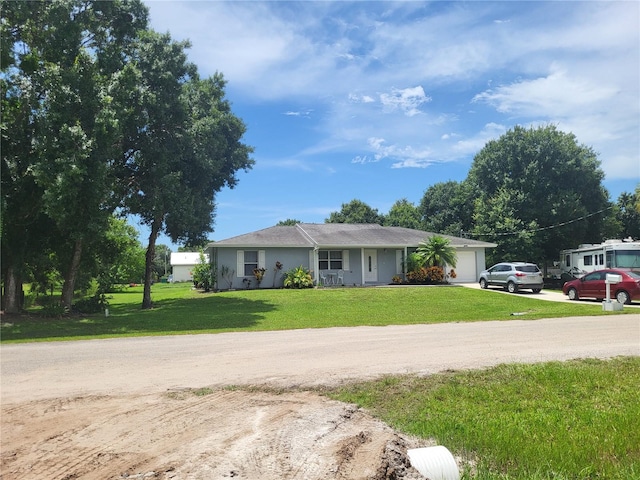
{"x":593,"y":285}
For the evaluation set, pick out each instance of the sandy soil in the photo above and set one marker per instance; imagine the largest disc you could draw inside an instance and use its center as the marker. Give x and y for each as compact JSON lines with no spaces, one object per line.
{"x":130,"y":408}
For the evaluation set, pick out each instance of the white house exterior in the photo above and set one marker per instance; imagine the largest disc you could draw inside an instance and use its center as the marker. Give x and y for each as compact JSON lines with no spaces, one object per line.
{"x":183,"y":264}
{"x":364,"y":254}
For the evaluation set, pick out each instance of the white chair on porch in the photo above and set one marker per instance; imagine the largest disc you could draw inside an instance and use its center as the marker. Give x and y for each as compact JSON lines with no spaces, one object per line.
{"x":340,"y":278}
{"x":323,"y":278}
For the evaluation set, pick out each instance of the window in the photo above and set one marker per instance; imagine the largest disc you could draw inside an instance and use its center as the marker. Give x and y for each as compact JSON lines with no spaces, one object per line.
{"x":567,"y":260}
{"x":595,"y":276}
{"x":588,"y":260}
{"x":330,"y":259}
{"x":333,"y":260}
{"x":624,"y":258}
{"x":528,"y":268}
{"x":248,"y":261}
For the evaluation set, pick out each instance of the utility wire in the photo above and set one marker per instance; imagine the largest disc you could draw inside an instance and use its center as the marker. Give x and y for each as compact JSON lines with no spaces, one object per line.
{"x":550,"y":227}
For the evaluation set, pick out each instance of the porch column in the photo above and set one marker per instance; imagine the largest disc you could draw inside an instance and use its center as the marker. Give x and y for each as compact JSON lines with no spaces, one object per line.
{"x":315,"y":265}
{"x":362,"y":266}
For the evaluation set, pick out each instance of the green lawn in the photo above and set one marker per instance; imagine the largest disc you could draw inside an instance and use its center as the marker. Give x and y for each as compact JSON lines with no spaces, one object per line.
{"x":561,"y":420}
{"x":180,"y":310}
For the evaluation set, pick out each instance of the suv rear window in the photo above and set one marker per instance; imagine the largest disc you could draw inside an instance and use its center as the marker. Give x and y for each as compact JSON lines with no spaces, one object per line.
{"x":528,"y":268}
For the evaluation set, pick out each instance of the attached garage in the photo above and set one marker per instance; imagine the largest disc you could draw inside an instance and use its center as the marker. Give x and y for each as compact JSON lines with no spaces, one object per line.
{"x":467,"y":267}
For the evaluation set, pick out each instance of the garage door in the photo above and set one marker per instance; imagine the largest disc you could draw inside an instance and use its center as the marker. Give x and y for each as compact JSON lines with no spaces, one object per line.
{"x":466,"y":268}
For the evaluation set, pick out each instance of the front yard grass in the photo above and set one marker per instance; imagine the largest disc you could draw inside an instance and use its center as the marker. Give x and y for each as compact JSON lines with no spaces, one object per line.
{"x":559,"y":420}
{"x":178,"y":309}
{"x":570,"y":420}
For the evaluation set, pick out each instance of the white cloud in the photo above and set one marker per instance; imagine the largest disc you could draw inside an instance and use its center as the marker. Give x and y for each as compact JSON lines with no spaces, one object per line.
{"x":557,"y":94}
{"x":403,"y":156}
{"x":408,"y":100}
{"x":471,"y":146}
{"x":303,"y":113}
{"x":574,"y":64}
{"x":357,"y":98}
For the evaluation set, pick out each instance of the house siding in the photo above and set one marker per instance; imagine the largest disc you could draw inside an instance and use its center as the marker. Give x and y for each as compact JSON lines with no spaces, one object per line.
{"x":299,"y":245}
{"x":288,"y":257}
{"x":182,"y":273}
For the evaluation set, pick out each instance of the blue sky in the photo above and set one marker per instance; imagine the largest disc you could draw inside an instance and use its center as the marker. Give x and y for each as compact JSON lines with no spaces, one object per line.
{"x":377,"y":101}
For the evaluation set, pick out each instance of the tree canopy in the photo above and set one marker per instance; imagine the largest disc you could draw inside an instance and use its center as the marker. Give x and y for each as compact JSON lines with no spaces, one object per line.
{"x":183,"y":145}
{"x":447,"y":208}
{"x":356,"y":211}
{"x":405,"y":214}
{"x":101,"y":114}
{"x":59,"y":127}
{"x":536,"y":191}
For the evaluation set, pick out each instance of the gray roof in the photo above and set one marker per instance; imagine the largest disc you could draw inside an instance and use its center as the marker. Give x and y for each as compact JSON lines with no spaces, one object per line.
{"x":341,"y":235}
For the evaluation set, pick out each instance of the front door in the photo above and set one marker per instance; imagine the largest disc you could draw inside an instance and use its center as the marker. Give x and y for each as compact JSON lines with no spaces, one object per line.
{"x":370,"y":266}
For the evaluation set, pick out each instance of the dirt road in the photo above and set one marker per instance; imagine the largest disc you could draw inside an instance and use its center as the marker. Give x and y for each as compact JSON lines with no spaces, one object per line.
{"x":126,"y":408}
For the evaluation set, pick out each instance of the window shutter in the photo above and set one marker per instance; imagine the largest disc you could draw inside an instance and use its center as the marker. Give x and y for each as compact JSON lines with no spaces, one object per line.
{"x":399,"y":262}
{"x":261,"y":259}
{"x":345,"y":260}
{"x":312,"y":262}
{"x":240,"y":264}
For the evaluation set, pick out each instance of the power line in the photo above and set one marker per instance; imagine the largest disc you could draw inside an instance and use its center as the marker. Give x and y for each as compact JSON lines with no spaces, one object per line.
{"x":550,"y":227}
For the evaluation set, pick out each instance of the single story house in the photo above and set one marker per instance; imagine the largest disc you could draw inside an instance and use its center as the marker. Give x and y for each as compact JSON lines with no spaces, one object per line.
{"x":183,"y":264}
{"x":360,"y":254}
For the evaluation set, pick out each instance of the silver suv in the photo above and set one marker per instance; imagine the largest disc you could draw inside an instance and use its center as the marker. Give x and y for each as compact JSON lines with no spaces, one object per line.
{"x":512,"y":276}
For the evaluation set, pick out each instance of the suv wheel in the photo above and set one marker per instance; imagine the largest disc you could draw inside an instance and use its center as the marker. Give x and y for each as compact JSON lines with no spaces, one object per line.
{"x":483,"y":283}
{"x":512,"y":287}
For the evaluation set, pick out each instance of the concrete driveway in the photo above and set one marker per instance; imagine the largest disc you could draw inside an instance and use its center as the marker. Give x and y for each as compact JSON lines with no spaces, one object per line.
{"x":549,"y":295}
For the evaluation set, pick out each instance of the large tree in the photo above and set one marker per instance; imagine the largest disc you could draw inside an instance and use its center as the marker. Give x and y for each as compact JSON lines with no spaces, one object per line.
{"x":537,"y":190}
{"x":356,"y":211}
{"x":183,"y":145}
{"x":118,"y":256}
{"x":447,"y":208}
{"x":405,"y":214}
{"x":60,"y":130}
{"x":628,"y":214}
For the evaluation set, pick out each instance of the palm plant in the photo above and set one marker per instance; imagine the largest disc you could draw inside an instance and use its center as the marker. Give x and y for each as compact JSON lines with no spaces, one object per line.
{"x":437,"y":252}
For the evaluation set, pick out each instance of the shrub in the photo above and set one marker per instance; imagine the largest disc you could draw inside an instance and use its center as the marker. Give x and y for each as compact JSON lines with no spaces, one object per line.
{"x":298,"y":277}
{"x":435,"y":274}
{"x":259,"y":274}
{"x":202,"y":274}
{"x":51,"y":307}
{"x":426,"y":275}
{"x":94,"y":304}
{"x":418,"y":275}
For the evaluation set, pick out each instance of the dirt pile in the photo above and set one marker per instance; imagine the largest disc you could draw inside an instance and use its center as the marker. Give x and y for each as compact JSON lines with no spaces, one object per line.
{"x":183,"y":435}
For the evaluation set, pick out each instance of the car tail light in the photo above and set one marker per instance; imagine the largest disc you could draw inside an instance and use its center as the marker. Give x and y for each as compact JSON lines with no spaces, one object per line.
{"x":520,"y":274}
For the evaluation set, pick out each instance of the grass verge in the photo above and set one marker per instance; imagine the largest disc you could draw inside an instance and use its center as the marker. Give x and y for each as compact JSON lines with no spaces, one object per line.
{"x":180,"y":310}
{"x":564,"y":421}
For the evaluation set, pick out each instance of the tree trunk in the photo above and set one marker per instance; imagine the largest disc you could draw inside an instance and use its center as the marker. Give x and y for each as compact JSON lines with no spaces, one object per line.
{"x":70,"y":278}
{"x":148,"y":269}
{"x":12,"y":291}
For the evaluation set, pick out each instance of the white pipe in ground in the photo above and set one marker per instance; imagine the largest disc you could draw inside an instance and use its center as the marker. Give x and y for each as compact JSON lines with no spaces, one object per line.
{"x":435,"y":463}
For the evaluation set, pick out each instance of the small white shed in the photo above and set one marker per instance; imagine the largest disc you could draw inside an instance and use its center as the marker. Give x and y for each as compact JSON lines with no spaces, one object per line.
{"x":183,"y":264}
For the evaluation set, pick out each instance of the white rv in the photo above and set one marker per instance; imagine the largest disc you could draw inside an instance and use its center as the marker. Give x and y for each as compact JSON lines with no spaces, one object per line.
{"x":610,"y":254}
